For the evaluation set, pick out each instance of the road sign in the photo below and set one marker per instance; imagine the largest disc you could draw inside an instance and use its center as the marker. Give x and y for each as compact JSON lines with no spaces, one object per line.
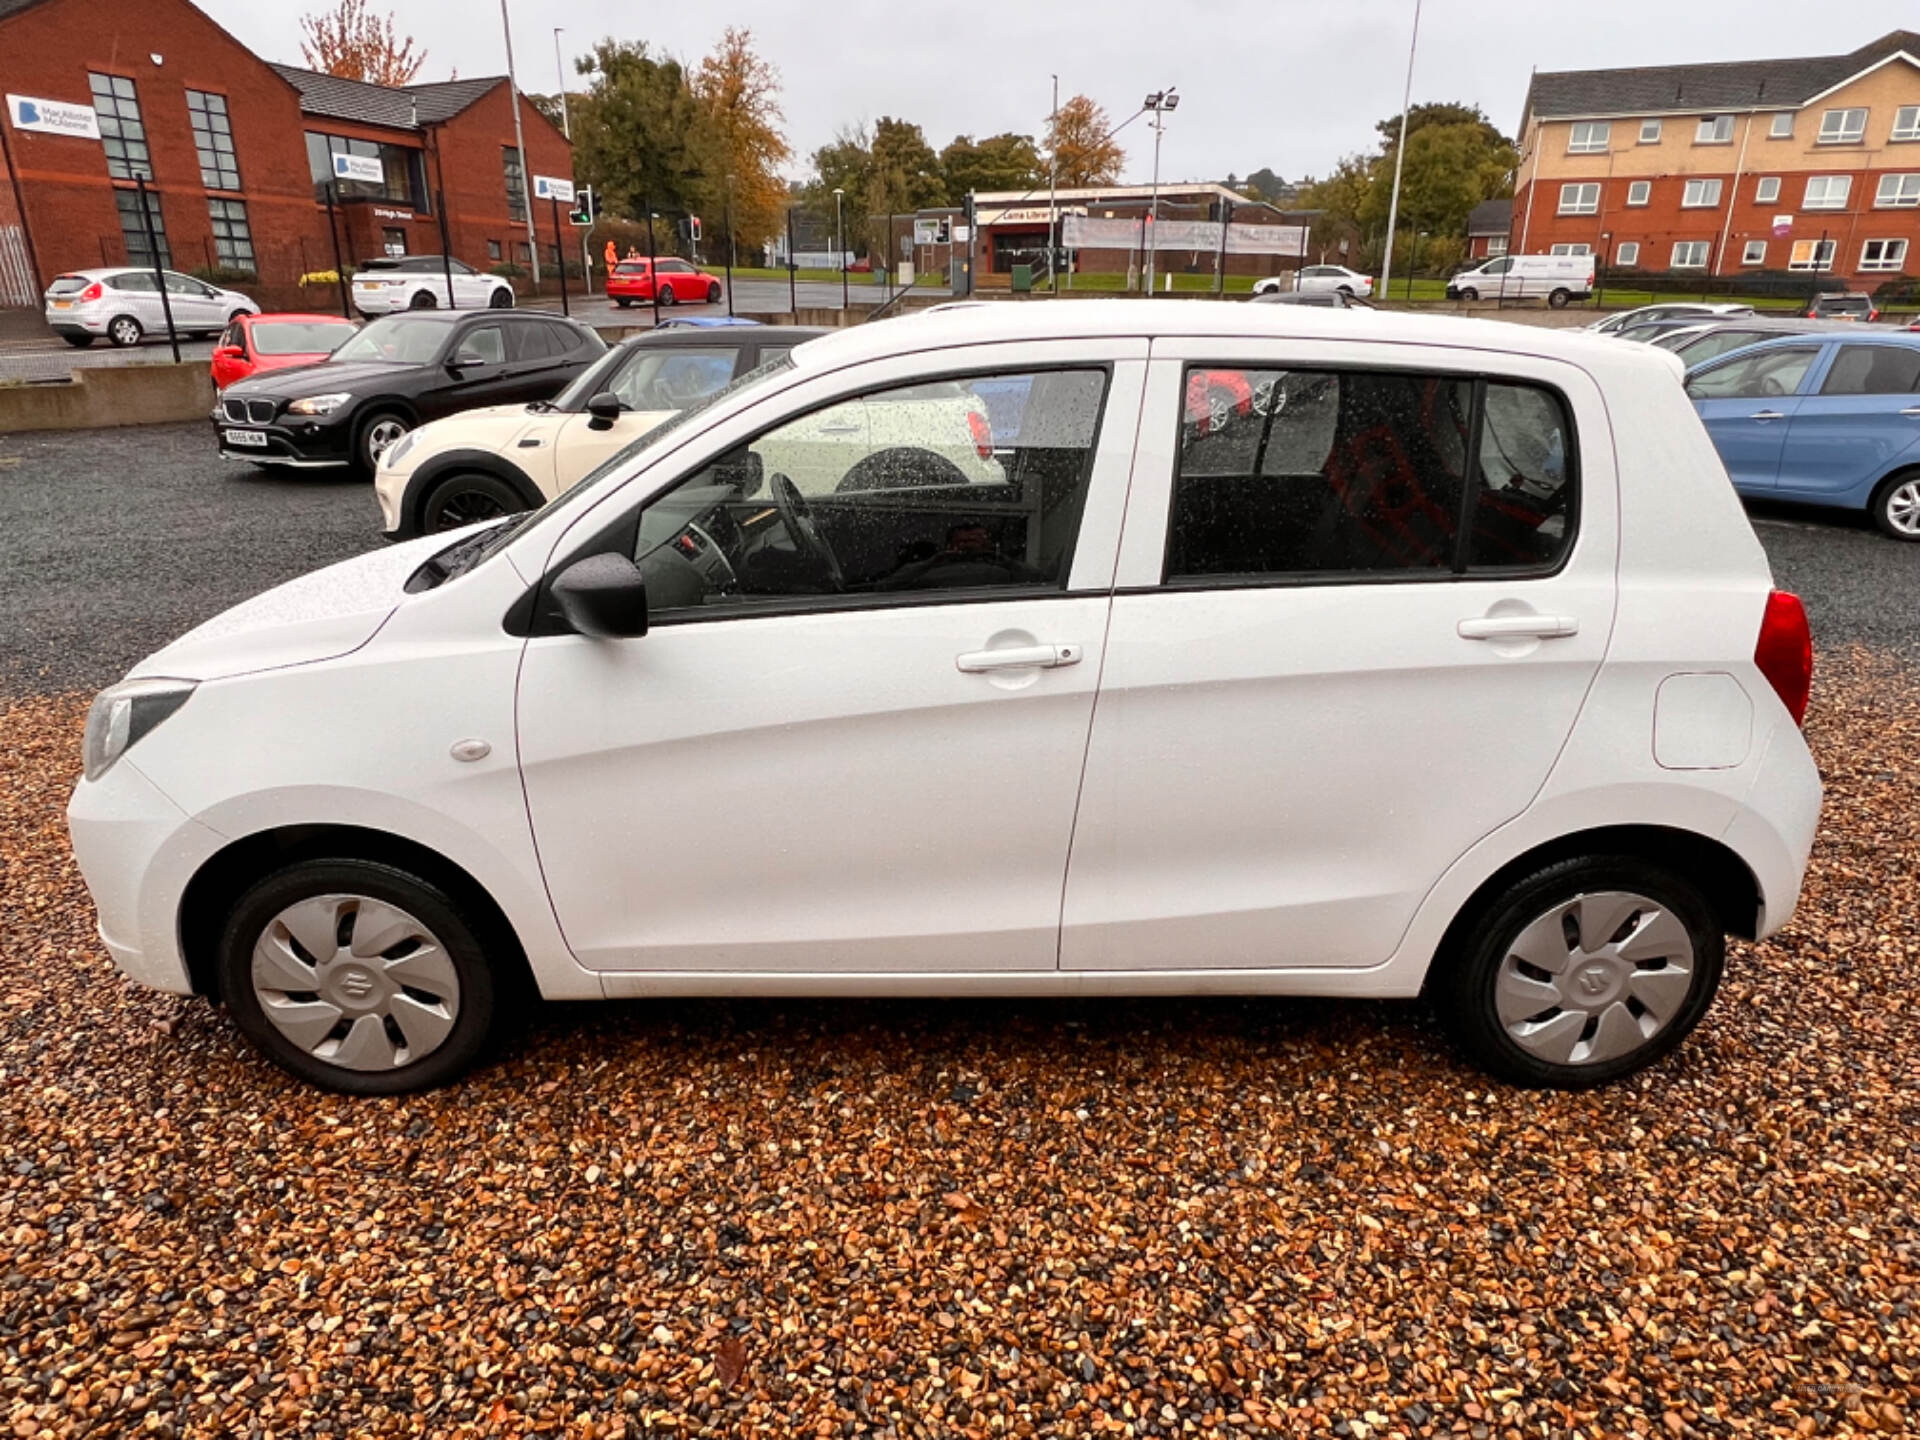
{"x":359,"y":167}
{"x":53,"y":117}
{"x":552,"y":187}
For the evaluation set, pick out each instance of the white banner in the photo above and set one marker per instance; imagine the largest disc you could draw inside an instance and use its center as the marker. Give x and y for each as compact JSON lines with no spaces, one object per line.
{"x":1267,"y":240}
{"x":53,"y":117}
{"x":552,"y":187}
{"x":1080,"y":233}
{"x":359,"y":167}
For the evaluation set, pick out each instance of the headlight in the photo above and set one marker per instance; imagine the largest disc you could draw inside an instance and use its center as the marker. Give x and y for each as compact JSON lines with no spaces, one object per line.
{"x":319,"y":404}
{"x":390,"y":459}
{"x":122,"y":714}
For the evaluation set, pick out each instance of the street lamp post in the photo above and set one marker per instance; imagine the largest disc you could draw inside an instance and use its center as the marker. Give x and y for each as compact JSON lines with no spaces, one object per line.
{"x":1159,"y":102}
{"x":840,"y":243}
{"x":1400,"y":155}
{"x":520,"y":144}
{"x":1053,"y":181}
{"x":566,"y":125}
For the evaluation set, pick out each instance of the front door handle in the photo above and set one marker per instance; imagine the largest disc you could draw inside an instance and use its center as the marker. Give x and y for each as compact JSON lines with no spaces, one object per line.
{"x":839,"y":429}
{"x":1766,"y":415}
{"x":1518,"y":627}
{"x":1018,"y":657}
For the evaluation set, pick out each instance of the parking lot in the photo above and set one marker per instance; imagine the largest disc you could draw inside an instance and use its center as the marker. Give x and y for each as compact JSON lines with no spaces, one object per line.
{"x":934,"y":1218}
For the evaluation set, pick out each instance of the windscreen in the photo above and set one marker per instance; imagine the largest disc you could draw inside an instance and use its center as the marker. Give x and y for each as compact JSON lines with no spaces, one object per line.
{"x":299,"y":337}
{"x":397,"y":339}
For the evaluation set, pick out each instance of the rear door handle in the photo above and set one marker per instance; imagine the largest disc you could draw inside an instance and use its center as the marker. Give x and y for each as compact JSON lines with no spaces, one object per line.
{"x":1766,"y":415}
{"x":1912,"y":412}
{"x":1518,"y":627}
{"x":1018,"y":657}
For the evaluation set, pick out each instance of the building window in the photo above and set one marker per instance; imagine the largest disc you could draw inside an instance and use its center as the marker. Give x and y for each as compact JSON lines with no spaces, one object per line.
{"x":1755,"y":253}
{"x":1714,"y":130}
{"x":521,"y":254}
{"x":1690,"y":255}
{"x":1883,"y":255}
{"x":393,"y":240}
{"x":1649,"y":132}
{"x":516,"y":174}
{"x":1843,"y":127}
{"x":1566,"y":248}
{"x":232,"y":237}
{"x":213,"y":139}
{"x":1639,"y":192}
{"x":1496,"y":246}
{"x":404,"y":174}
{"x":1701,"y":195}
{"x":493,"y":250}
{"x":135,"y":234}
{"x":1897,"y":192}
{"x":1782,"y":127}
{"x":1906,"y":123}
{"x":1589,"y":137}
{"x":1767,"y":190}
{"x":1826,"y":192}
{"x":1811,"y":255}
{"x":1583,"y":199}
{"x":121,"y":131}
{"x":1628,"y":253}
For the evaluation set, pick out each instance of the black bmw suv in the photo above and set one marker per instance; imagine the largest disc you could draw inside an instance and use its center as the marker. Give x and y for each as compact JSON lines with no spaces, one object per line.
{"x":398,"y":372}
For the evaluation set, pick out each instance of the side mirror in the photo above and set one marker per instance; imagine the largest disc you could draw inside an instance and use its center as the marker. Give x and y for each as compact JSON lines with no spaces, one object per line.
{"x":466,"y":360}
{"x":605,"y":408}
{"x":603,"y":596}
{"x":230,"y":352}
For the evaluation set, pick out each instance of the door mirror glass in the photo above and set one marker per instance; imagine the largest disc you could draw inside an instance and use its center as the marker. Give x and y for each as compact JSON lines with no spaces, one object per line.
{"x":605,"y":408}
{"x":485,"y":346}
{"x":603,"y":596}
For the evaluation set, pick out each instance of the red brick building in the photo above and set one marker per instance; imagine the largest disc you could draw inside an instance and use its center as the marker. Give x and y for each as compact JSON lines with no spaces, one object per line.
{"x":237,"y":153}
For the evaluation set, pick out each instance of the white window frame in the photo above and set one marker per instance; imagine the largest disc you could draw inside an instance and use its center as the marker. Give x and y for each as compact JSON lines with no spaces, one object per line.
{"x":1578,"y":202}
{"x":1820,"y":255}
{"x":1827,"y":200}
{"x":1628,"y":253}
{"x":1640,"y":192}
{"x":1754,"y":253}
{"x":1707,"y":191}
{"x":1496,"y":246}
{"x":1888,"y":263}
{"x":1649,"y":132}
{"x":1776,"y":130}
{"x":1704,"y":250}
{"x":1707,"y":132}
{"x":1905,"y":191}
{"x":1570,"y":247}
{"x":1589,"y":137}
{"x":1906,"y":123}
{"x":1767,"y":190}
{"x":1843,"y":127}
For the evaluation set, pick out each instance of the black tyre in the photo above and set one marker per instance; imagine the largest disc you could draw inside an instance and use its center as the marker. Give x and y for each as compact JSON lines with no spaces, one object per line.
{"x":1895,"y":506}
{"x":79,"y":342}
{"x":466,"y":499}
{"x":1581,"y":972}
{"x":374,"y":434}
{"x":667,"y":296}
{"x":623,"y":301}
{"x":501,"y":299}
{"x":1558,"y":299}
{"x":359,"y":977}
{"x":422,"y":300}
{"x":1469,"y":293}
{"x":713,"y":293}
{"x":237,"y":316}
{"x":1346,"y":290}
{"x":124,"y":330}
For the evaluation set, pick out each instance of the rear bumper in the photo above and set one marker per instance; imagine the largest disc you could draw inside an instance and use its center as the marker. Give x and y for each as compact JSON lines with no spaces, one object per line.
{"x":64,"y":322}
{"x":1773,"y":830}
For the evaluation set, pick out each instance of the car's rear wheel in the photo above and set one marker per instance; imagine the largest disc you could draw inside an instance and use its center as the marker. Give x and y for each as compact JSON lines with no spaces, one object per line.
{"x":623,"y":301}
{"x":237,"y":316}
{"x":1581,"y":972}
{"x":125,"y":330}
{"x":667,"y":296}
{"x":377,"y":432}
{"x":1558,"y":299}
{"x":1896,"y":506}
{"x":501,"y":299}
{"x":422,"y":300}
{"x":79,"y":342}
{"x":1346,"y":290}
{"x":358,"y":977}
{"x":713,"y":293}
{"x":466,"y":499}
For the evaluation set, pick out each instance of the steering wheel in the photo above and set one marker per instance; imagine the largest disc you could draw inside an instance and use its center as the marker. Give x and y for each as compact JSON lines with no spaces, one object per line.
{"x":797,"y":516}
{"x":729,"y":578}
{"x":1770,"y":385}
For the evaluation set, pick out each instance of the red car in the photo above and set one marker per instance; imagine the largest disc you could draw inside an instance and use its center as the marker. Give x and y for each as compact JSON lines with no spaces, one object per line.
{"x":253,"y":343}
{"x":633,"y":280}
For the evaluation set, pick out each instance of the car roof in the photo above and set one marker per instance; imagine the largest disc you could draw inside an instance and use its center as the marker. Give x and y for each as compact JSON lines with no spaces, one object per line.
{"x":1839,"y":335}
{"x":267,"y":317}
{"x":654,"y":339}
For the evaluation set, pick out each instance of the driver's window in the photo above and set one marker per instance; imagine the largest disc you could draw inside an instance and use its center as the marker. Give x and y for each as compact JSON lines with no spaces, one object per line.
{"x":1498,"y":267}
{"x":673,"y":379}
{"x":484,"y":346}
{"x":1768,"y":372}
{"x":955,"y":485}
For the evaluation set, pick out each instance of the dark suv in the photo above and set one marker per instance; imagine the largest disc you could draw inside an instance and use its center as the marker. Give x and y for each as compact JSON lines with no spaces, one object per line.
{"x":399,"y":372}
{"x":1851,"y":306}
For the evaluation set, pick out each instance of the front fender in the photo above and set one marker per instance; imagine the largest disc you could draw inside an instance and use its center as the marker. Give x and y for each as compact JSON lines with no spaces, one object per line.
{"x":430,"y":471}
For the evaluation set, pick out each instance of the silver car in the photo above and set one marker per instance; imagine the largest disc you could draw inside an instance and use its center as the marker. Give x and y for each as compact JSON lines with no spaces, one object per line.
{"x":123,"y":304}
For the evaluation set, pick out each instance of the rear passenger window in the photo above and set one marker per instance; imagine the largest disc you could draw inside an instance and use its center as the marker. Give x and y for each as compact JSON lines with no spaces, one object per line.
{"x":1873,"y":370}
{"x":1298,"y":473}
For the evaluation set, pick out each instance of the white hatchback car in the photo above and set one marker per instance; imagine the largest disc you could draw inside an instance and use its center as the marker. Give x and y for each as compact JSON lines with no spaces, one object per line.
{"x":125,"y":304}
{"x":1415,"y":674}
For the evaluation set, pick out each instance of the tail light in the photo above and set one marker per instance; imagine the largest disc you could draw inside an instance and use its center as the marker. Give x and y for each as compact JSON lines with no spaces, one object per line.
{"x":93,"y":291}
{"x":1784,"y":652}
{"x":982,"y":434}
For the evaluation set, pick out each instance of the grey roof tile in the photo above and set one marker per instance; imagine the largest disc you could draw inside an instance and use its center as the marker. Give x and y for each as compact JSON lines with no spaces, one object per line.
{"x":400,"y":106}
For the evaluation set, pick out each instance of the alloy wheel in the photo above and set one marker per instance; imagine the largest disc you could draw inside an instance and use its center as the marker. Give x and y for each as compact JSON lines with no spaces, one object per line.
{"x":1595,"y":978}
{"x":382,"y":435}
{"x":355,"y":982}
{"x":1903,"y":508}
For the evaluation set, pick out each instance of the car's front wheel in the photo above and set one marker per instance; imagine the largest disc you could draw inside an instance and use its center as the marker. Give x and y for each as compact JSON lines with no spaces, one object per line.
{"x":358,"y":977}
{"x":467,"y":499}
{"x":1469,"y":293}
{"x":1581,"y":972}
{"x":713,"y":293}
{"x":1896,"y":506}
{"x":376,"y":433}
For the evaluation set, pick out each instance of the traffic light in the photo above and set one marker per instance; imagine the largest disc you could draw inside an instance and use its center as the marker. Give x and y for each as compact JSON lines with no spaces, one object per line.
{"x":693,"y":228}
{"x":586,"y":207}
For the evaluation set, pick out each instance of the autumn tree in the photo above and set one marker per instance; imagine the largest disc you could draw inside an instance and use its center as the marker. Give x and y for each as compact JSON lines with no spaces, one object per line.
{"x":355,"y":44}
{"x":738,"y":93}
{"x":640,"y":136}
{"x":1081,"y":140}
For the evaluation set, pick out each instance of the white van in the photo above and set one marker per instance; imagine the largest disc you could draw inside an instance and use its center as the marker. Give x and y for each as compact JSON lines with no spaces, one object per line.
{"x":1521,"y":277}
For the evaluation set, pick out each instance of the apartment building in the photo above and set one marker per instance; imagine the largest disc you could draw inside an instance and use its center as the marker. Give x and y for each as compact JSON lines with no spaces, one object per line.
{"x":1807,"y":165}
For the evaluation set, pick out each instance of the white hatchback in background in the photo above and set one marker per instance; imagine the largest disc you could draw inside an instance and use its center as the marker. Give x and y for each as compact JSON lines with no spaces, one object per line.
{"x":1321,"y":279}
{"x":123,"y":303}
{"x":419,"y":282}
{"x":1415,"y":675}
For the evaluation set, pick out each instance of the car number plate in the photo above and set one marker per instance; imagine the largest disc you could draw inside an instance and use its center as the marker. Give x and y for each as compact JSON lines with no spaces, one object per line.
{"x":63,"y":304}
{"x":246,"y":439}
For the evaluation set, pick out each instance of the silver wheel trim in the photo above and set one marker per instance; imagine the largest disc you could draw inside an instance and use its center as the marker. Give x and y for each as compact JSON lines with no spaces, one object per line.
{"x":355,"y":982}
{"x":381,"y":435}
{"x":1903,"y":507}
{"x":129,"y":329}
{"x":1595,"y":978}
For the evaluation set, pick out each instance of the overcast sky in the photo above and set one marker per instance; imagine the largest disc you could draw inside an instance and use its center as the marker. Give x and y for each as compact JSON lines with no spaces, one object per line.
{"x":1290,"y":85}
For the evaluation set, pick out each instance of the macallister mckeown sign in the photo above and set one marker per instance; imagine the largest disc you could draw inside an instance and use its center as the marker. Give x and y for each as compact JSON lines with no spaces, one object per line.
{"x":53,"y":117}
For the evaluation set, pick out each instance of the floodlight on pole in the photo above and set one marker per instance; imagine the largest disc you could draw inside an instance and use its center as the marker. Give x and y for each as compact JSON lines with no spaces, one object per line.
{"x":1159,"y":102}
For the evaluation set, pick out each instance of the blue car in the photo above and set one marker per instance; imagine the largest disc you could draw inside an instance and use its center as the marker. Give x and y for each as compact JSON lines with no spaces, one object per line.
{"x":1821,"y":419}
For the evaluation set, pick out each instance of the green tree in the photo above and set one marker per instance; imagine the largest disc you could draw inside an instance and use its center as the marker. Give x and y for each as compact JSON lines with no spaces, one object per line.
{"x":1342,"y":196}
{"x":1263,"y":184}
{"x":639,"y":133}
{"x":888,"y":170}
{"x":1450,"y":169}
{"x":1439,"y":112}
{"x":999,"y":162}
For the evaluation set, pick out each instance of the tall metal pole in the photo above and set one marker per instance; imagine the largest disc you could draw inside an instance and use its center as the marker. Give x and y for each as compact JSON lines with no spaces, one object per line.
{"x":1153,"y":209}
{"x":729,"y":221}
{"x":560,"y":249}
{"x":566,"y":125}
{"x":653,"y":268}
{"x":520,"y":144}
{"x":793,"y":294}
{"x":339,"y":265}
{"x":1400,"y":156}
{"x":159,"y":275}
{"x":1053,"y":181}
{"x":840,"y":244}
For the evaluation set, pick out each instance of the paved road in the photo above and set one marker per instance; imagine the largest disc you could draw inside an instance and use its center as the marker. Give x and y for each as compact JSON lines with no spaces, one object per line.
{"x":114,"y":541}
